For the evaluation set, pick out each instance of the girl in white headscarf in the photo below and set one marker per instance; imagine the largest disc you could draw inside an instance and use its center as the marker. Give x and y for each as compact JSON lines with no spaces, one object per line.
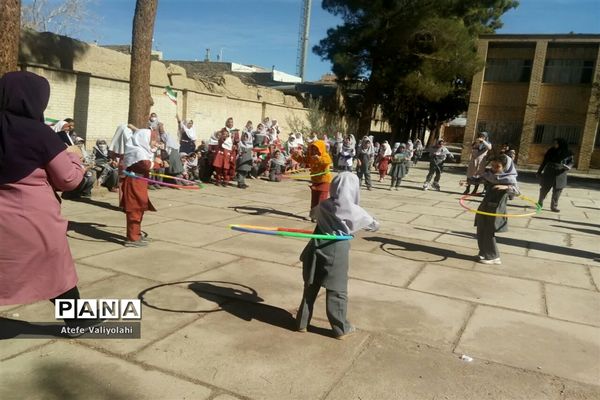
{"x":325,"y":262}
{"x":134,"y":201}
{"x":385,"y":154}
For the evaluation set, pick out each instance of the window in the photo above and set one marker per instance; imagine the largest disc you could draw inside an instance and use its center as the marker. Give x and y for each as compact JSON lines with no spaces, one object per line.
{"x":507,"y":70}
{"x":568,"y":71}
{"x":502,"y":131}
{"x":545,"y":134}
{"x":597,"y":136}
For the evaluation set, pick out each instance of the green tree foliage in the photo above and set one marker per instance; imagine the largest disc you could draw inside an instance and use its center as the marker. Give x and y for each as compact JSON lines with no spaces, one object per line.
{"x":415,"y":57}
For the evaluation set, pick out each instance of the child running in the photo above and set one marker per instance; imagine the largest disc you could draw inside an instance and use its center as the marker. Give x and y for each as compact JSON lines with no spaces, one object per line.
{"x":437,"y":155}
{"x":325,"y":262}
{"x":500,"y":182}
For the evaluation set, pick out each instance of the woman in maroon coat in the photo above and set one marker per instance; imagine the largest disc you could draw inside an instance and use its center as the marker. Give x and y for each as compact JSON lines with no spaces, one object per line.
{"x":138,"y":160}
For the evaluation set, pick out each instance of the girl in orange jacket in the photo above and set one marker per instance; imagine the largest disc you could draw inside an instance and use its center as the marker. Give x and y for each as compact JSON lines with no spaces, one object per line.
{"x":319,"y":162}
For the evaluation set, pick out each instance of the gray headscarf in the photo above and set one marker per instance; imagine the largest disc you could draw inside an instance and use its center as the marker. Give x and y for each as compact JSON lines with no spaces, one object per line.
{"x":340,"y":213}
{"x":507,"y":177}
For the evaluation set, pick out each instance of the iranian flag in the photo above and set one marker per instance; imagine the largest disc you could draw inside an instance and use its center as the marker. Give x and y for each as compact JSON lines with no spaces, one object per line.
{"x":50,"y":121}
{"x":171,"y":94}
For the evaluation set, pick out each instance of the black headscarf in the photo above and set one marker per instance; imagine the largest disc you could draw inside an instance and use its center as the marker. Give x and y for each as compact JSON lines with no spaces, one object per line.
{"x":26,"y":143}
{"x":557,"y":155}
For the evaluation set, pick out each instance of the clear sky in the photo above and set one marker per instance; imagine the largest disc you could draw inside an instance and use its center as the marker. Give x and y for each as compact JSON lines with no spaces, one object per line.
{"x":265,"y":32}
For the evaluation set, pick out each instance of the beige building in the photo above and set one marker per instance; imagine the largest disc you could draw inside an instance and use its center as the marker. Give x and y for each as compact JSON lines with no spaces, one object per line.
{"x":533,"y":89}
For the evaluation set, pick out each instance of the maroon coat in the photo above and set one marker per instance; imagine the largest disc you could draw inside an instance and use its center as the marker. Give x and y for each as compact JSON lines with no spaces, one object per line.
{"x":135,"y":191}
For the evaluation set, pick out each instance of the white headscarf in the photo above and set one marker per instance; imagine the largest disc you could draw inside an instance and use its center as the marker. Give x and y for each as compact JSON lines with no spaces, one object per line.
{"x":169,"y":140}
{"x":190,"y":132}
{"x":139,"y":148}
{"x":121,"y":139}
{"x":59,"y":126}
{"x":340,"y":213}
{"x":387,"y":150}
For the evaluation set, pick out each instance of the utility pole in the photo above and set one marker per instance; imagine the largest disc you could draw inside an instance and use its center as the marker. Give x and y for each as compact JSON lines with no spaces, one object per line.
{"x":303,"y":38}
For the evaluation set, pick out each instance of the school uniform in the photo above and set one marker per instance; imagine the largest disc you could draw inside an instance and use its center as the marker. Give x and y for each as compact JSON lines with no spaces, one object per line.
{"x":493,"y":202}
{"x":325,"y":263}
{"x":399,"y":168}
{"x":553,"y":170}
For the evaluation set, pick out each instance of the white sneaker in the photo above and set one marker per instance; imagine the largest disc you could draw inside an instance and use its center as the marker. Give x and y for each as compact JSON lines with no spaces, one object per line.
{"x":495,"y":261}
{"x":425,"y":186}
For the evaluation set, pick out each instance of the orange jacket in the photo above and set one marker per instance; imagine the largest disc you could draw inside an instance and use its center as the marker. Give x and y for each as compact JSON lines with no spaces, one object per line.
{"x":316,"y":165}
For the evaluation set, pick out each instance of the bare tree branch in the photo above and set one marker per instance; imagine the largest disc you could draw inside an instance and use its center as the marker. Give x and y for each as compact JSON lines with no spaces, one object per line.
{"x":67,"y":17}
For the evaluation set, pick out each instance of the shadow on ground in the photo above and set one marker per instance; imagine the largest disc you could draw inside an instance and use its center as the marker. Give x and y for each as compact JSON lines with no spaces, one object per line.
{"x":12,"y":328}
{"x":249,"y":210}
{"x":61,"y":381}
{"x":90,"y":230}
{"x":416,"y":251}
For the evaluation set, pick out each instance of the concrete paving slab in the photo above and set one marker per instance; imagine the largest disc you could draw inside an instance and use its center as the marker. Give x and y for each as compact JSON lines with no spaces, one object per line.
{"x":481,"y":288}
{"x":595,"y":272}
{"x":537,"y":343}
{"x":156,"y":323}
{"x":64,"y":370}
{"x":261,"y":247}
{"x":392,"y":216}
{"x":388,"y":203}
{"x":200,"y":214}
{"x":274,"y":284}
{"x":404,"y":313}
{"x":88,"y":275}
{"x":269,"y":219}
{"x":409,"y":371}
{"x":575,"y":305}
{"x":431,"y":210}
{"x":540,"y":270}
{"x":193,"y":235}
{"x":270,"y":198}
{"x":161,"y":261}
{"x":385,"y":269}
{"x":585,"y":243}
{"x":274,"y":358}
{"x":435,"y":221}
{"x":85,"y":246}
{"x":411,"y":230}
{"x":561,"y":254}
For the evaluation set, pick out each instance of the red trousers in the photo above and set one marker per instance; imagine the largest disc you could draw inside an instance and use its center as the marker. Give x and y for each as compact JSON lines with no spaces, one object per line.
{"x":318,"y":193}
{"x":134,"y":225}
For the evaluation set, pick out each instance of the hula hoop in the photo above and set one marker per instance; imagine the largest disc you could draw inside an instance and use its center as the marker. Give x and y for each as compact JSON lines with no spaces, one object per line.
{"x":288,"y":176}
{"x":159,"y":182}
{"x":538,"y":208}
{"x":289,"y":234}
{"x":274,"y":228}
{"x":177,"y":179}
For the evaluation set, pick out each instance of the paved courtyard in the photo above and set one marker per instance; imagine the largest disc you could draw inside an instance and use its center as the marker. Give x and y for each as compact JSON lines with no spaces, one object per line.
{"x":223,"y":326}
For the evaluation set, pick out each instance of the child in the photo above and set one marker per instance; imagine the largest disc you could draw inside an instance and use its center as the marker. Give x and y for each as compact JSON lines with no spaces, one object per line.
{"x":400,"y":162}
{"x":276,"y":166}
{"x":319,"y":161}
{"x":346,"y":155}
{"x":437,"y":156}
{"x":477,"y":163}
{"x":500,"y":182}
{"x":138,"y":160}
{"x":325,"y":262}
{"x":222,"y":159}
{"x":244,"y":160}
{"x":366,"y":153}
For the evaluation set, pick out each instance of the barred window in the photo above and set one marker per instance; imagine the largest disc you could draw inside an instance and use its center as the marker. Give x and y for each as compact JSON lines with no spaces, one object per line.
{"x":568,"y":71}
{"x":507,"y":70}
{"x":545,"y":134}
